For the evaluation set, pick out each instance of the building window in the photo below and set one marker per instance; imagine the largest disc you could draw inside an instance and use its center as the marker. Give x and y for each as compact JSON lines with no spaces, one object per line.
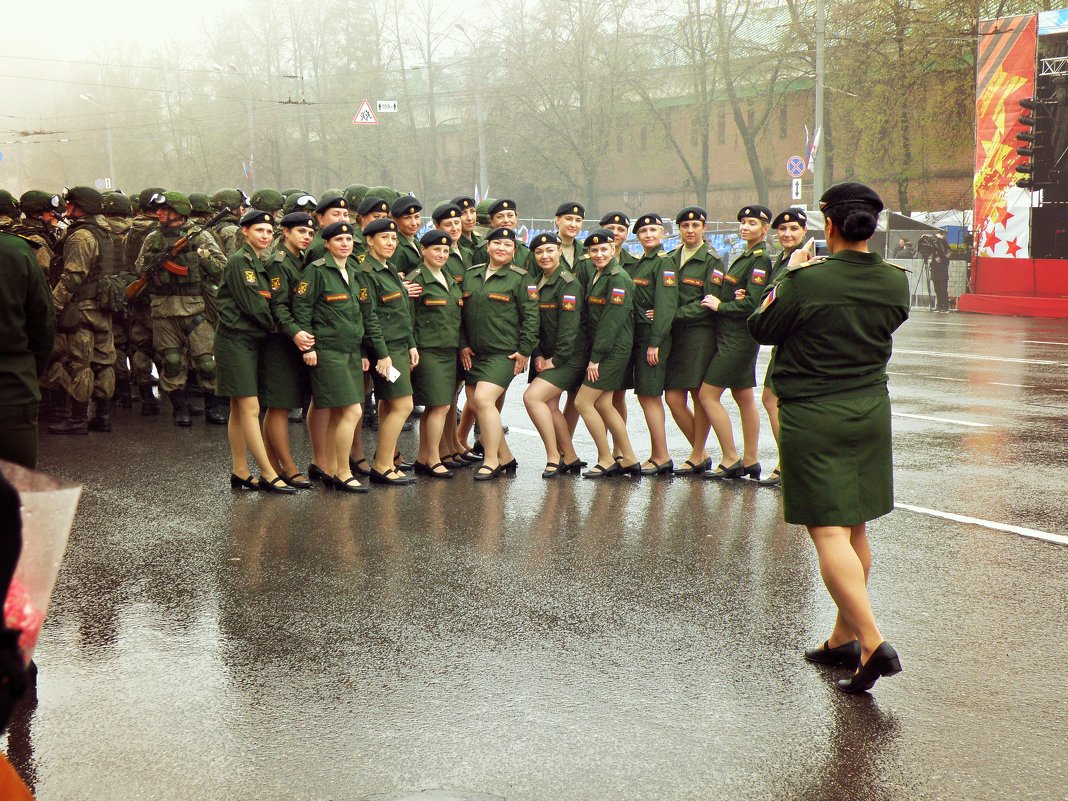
{"x":783,"y":121}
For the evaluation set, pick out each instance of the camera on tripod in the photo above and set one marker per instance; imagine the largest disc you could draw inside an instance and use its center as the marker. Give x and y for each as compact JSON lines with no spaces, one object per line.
{"x":927,"y":246}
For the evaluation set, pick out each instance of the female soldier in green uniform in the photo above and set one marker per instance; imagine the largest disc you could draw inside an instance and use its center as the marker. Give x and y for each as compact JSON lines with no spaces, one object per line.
{"x":284,"y":380}
{"x":609,"y":328}
{"x":503,"y":213}
{"x":395,"y":316}
{"x":244,"y":321}
{"x":732,"y":297}
{"x":437,"y":336}
{"x":500,"y":330}
{"x":468,"y":241}
{"x":559,"y":359}
{"x":790,"y":229}
{"x":693,"y":335}
{"x":654,"y":311}
{"x":330,"y":303}
{"x":833,"y":327}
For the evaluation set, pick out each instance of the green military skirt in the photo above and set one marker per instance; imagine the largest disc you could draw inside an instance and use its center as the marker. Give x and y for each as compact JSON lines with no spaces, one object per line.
{"x":837,"y":461}
{"x":495,"y":368}
{"x":284,"y":379}
{"x":237,"y":362}
{"x":402,"y":387}
{"x":648,"y":380}
{"x":337,"y":379}
{"x":692,"y":348}
{"x":771,"y":366}
{"x":612,"y":373}
{"x":733,"y":365}
{"x":434,"y":378}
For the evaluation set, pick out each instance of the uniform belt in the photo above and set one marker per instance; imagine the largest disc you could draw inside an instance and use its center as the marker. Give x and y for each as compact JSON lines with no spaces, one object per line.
{"x":873,"y":390}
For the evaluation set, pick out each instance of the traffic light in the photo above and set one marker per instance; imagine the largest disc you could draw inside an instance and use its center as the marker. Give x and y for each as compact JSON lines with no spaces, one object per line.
{"x":1032,"y":110}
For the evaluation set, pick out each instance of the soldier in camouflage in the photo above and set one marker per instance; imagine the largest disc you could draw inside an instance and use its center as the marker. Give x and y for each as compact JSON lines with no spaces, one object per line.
{"x":9,"y":211}
{"x":228,"y":229}
{"x":181,"y":333}
{"x":42,"y":212}
{"x":117,"y":212}
{"x":138,"y":311}
{"x":85,"y":297}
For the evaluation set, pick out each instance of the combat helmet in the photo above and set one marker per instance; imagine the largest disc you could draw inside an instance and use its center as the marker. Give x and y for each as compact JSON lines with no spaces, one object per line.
{"x":116,"y":204}
{"x":175,"y":201}
{"x":384,"y":192}
{"x":200,"y":203}
{"x":144,"y":197}
{"x":267,"y":200}
{"x":231,"y":199}
{"x":35,"y":201}
{"x":354,"y":194}
{"x":85,"y":198}
{"x":8,"y":205}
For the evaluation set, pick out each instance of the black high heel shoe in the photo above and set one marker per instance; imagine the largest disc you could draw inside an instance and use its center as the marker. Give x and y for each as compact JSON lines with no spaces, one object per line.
{"x":297,"y":481}
{"x":236,"y":482}
{"x":658,"y":469}
{"x":316,"y":473}
{"x":846,"y":655}
{"x":724,"y":473}
{"x":751,"y":472}
{"x":487,"y":473}
{"x":470,"y":456}
{"x":350,"y":484}
{"x":572,"y":467}
{"x":883,"y":662}
{"x":634,"y":469}
{"x":510,"y":467}
{"x":354,"y":466}
{"x":552,"y":470}
{"x":276,"y":485}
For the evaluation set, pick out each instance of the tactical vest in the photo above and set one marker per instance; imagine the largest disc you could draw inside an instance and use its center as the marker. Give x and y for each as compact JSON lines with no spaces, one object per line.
{"x":167,"y":283}
{"x":107,"y":265}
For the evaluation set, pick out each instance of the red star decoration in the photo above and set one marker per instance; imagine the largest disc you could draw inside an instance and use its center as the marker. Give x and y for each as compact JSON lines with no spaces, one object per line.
{"x":1004,"y":215}
{"x":1013,"y":247}
{"x":991,"y":240}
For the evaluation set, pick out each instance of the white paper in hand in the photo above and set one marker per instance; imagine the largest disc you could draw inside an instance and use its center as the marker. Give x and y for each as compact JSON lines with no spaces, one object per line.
{"x":393,"y":374}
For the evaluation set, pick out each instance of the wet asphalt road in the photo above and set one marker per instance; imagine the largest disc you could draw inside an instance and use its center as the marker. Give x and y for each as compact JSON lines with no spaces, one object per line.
{"x":569,"y":640}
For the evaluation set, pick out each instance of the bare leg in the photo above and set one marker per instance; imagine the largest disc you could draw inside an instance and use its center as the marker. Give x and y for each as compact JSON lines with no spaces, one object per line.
{"x":318,"y":421}
{"x":482,"y":398}
{"x":843,"y":569}
{"x":563,"y":435}
{"x":571,"y":415}
{"x":711,"y":402}
{"x":746,"y":400}
{"x":771,"y":406}
{"x":431,"y":427}
{"x":606,"y":405}
{"x":391,"y":417}
{"x":238,"y":447}
{"x":343,"y":420}
{"x":701,"y":426}
{"x":619,"y":403}
{"x":680,"y":412}
{"x":467,"y":420}
{"x":356,"y":454}
{"x":539,"y":399}
{"x":656,"y":422}
{"x":586,"y":403}
{"x":268,"y":445}
{"x":248,"y":416}
{"x":276,"y":441}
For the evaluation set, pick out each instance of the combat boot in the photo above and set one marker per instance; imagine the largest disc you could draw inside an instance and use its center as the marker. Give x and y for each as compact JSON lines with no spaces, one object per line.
{"x":149,"y":404}
{"x":58,"y":406}
{"x":102,"y":419}
{"x":180,"y":409}
{"x":213,"y":412}
{"x":123,"y":396}
{"x":77,"y":423}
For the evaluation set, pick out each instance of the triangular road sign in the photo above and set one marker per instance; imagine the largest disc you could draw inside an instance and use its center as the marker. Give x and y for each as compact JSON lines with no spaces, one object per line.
{"x":365,"y":116}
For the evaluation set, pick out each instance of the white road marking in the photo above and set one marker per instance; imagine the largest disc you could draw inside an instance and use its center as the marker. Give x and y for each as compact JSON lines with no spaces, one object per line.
{"x":942,"y":420}
{"x":1045,"y":536}
{"x":978,"y":357}
{"x":1017,"y":386}
{"x":1039,"y":342}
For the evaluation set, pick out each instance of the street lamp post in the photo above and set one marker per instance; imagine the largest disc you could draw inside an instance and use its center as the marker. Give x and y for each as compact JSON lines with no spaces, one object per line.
{"x":107,"y":137}
{"x":817,"y":162}
{"x":480,"y":113}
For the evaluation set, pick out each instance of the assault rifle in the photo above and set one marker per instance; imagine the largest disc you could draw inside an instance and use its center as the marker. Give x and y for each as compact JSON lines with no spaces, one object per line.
{"x":164,"y":260}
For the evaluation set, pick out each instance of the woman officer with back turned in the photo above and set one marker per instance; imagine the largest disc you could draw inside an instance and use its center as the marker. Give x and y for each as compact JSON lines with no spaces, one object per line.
{"x":832,"y":325}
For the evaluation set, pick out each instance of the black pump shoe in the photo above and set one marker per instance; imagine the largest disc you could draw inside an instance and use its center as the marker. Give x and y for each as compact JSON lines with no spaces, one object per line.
{"x":634,"y":469}
{"x":552,"y":470}
{"x":510,"y":467}
{"x":354,"y":466}
{"x":751,"y":472}
{"x":691,"y":469}
{"x":392,"y":477}
{"x":883,"y":662}
{"x":236,"y":482}
{"x":487,"y":473}
{"x":297,"y":481}
{"x":350,"y":484}
{"x":846,"y":655}
{"x":277,"y":485}
{"x":658,"y":469}
{"x":572,"y":467}
{"x":724,"y":473}
{"x":316,"y":473}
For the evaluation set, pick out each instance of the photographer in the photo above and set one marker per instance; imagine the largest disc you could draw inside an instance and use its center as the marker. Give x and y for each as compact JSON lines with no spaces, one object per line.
{"x":940,"y":272}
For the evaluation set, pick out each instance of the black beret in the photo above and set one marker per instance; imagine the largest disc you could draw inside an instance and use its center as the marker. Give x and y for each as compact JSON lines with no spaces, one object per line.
{"x":647,"y":219}
{"x":255,"y":217}
{"x":295,"y":218}
{"x":372,"y":204}
{"x":790,"y":215}
{"x":548,"y":238}
{"x":501,"y":233}
{"x":432,"y":238}
{"x":615,"y":218}
{"x":571,"y":208}
{"x":504,"y":204}
{"x":757,"y":212}
{"x":464,"y":202}
{"x":850,"y":192}
{"x":328,"y":203}
{"x":600,"y":237}
{"x":378,"y":226}
{"x":403,"y":206}
{"x":337,"y":229}
{"x":446,"y":211}
{"x":691,"y":213}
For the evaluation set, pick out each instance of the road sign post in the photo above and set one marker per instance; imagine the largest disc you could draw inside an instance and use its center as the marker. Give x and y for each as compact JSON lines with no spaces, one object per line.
{"x":365,"y":116}
{"x":795,"y":188}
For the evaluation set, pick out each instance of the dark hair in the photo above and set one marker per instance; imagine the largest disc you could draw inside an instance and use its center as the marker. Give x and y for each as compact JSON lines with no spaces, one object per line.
{"x":855,"y":220}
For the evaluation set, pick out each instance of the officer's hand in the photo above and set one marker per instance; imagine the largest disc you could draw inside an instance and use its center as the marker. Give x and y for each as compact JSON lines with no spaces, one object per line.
{"x":414,"y":290}
{"x":593,"y":371}
{"x":803,"y":254}
{"x":649,"y":315}
{"x":382,"y":368}
{"x":304,"y":340}
{"x":465,"y":357}
{"x":311,"y":359}
{"x":739,"y":294}
{"x":413,"y":357}
{"x":365,"y":364}
{"x":652,"y":356}
{"x":710,"y":302}
{"x":520,"y":363}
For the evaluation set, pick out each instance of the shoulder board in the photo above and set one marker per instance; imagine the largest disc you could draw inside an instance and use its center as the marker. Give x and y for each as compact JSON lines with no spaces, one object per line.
{"x":279,"y":256}
{"x":615,"y":270}
{"x":584,"y":256}
{"x":567,"y":277}
{"x":320,"y":262}
{"x":476,"y":267}
{"x":661,"y":253}
{"x":903,"y":269}
{"x":804,"y":264}
{"x":758,"y":252}
{"x":519,"y":270}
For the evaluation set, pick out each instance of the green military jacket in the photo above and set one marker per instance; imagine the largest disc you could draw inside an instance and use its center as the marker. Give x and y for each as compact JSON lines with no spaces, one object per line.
{"x":831,"y":320}
{"x":438,"y":310}
{"x":359,"y":243}
{"x":286,"y":272}
{"x":244,"y":298}
{"x":609,"y":320}
{"x":339,"y":313}
{"x":469,"y":245}
{"x":560,"y":310}
{"x":391,"y":301}
{"x":580,"y":251}
{"x":500,"y":311}
{"x":407,"y":257}
{"x":523,"y":258}
{"x":750,"y":272}
{"x":694,"y":282}
{"x":316,"y":249}
{"x":651,"y":292}
{"x":28,"y":324}
{"x":119,"y":227}
{"x":457,"y":265}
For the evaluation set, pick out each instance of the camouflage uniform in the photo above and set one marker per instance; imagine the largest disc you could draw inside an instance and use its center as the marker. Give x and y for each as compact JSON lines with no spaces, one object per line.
{"x":43,"y":235}
{"x":9,"y":211}
{"x":181,"y":332}
{"x":139,"y":315}
{"x":228,"y":230}
{"x":116,"y":211}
